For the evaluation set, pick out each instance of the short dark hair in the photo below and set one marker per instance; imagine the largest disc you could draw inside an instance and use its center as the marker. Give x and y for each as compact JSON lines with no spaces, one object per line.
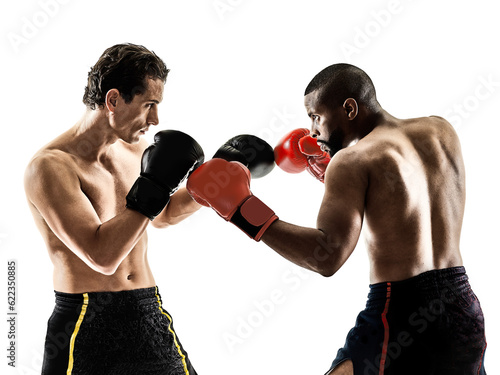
{"x":338,"y":82}
{"x":124,"y":67}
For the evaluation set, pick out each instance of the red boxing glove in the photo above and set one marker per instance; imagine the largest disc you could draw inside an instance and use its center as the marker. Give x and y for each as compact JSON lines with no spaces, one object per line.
{"x":317,"y":159}
{"x":225,"y":186}
{"x":298,"y":151}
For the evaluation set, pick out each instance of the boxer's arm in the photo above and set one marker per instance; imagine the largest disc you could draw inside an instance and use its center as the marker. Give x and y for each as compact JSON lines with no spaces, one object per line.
{"x":53,"y":187}
{"x":325,"y":249}
{"x":180,"y":207}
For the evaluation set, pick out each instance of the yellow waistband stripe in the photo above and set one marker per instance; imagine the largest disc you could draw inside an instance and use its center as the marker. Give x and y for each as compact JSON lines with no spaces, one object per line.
{"x":173,"y":333}
{"x":75,"y":332}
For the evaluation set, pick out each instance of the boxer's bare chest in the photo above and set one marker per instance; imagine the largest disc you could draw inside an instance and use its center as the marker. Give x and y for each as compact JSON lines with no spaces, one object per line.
{"x":107,"y":182}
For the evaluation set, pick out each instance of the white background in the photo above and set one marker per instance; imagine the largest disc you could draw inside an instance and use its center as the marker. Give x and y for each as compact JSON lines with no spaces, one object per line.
{"x":241,"y":67}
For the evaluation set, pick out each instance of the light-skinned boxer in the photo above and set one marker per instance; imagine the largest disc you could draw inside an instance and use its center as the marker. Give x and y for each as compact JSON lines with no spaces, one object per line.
{"x":93,"y":191}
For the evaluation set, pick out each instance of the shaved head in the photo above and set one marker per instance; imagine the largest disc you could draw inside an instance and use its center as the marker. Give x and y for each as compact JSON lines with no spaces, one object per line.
{"x":339,"y":82}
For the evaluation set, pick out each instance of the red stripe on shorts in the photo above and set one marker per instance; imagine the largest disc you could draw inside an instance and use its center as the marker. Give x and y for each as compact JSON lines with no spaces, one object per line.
{"x":482,"y":355}
{"x":386,"y":330}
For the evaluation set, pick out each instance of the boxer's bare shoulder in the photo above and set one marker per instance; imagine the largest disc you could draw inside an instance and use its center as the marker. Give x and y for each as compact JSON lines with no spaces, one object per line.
{"x":69,"y":165}
{"x":50,"y":168}
{"x":416,"y":183}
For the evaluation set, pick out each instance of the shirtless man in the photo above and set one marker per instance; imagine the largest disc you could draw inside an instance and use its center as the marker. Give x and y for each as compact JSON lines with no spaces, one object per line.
{"x":405,"y":180}
{"x":92,"y":203}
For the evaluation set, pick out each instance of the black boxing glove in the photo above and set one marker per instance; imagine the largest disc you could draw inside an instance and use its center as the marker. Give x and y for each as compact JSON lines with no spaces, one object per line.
{"x":253,"y":152}
{"x":166,"y":163}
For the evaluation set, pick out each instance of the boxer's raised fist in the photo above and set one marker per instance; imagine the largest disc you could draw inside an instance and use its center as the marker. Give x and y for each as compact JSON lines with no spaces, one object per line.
{"x":253,"y":152}
{"x":165,"y":164}
{"x":317,"y":159}
{"x":225,"y":186}
{"x":298,"y":151}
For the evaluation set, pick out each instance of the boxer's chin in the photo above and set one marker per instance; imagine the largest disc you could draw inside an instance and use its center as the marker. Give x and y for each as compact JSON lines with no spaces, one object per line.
{"x":332,"y":153}
{"x":135,"y":138}
{"x":332,"y":149}
{"x":334,"y":144}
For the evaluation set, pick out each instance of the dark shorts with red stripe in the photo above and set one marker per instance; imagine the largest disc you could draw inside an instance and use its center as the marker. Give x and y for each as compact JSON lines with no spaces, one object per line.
{"x":110,"y":333}
{"x":429,"y":324}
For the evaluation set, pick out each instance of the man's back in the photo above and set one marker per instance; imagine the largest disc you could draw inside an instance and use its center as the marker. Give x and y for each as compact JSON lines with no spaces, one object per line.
{"x":413,"y":182}
{"x":415,"y":197}
{"x":403,"y":181}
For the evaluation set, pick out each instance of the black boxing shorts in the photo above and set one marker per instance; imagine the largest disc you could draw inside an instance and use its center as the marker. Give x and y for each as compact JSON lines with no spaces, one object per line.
{"x":429,"y":324}
{"x":109,"y":333}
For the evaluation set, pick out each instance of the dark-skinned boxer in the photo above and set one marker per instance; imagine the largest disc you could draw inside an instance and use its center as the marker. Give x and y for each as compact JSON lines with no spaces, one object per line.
{"x":404,"y":180}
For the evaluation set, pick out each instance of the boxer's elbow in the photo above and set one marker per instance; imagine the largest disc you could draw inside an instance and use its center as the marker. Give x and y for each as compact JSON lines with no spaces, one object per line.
{"x":327,"y":272}
{"x":107,"y":268}
{"x":326,"y":261}
{"x":102,"y":262}
{"x":326,"y":269}
{"x":160,"y":224}
{"x":96,"y":259}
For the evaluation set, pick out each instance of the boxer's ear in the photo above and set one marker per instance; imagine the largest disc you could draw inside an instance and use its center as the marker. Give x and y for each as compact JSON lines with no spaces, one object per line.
{"x":351,"y":108}
{"x":112,"y":97}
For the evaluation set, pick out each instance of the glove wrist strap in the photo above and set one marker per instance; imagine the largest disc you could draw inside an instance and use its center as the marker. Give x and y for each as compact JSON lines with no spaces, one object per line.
{"x":253,"y":217}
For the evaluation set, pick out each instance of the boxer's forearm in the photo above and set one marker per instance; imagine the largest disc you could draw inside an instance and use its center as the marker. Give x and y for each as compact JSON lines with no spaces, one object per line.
{"x":306,"y":247}
{"x":180,"y":207}
{"x":115,"y":238}
{"x":113,"y":241}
